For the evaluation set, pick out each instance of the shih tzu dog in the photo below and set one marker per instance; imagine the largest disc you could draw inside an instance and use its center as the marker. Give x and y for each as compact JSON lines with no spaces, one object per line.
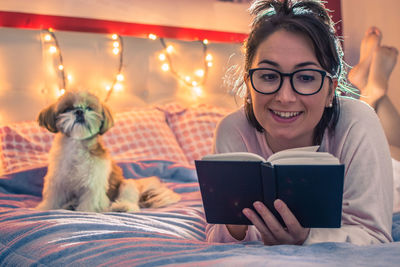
{"x":81,"y":175}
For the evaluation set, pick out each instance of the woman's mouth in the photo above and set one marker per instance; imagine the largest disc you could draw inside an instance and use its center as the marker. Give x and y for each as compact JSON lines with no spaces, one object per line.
{"x":285,"y":116}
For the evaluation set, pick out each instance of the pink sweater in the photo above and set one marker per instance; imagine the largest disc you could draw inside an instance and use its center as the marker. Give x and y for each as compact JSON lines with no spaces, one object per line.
{"x":360,"y":143}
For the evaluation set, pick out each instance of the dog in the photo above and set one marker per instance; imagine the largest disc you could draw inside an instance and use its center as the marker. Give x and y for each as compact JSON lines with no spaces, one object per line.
{"x":81,"y":175}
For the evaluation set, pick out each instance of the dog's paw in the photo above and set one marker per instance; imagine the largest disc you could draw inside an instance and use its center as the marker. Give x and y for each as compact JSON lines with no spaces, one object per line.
{"x":43,"y":206}
{"x":122,"y":206}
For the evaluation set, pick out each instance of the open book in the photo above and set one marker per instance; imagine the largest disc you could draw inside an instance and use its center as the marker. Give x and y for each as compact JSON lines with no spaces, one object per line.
{"x":309,"y":182}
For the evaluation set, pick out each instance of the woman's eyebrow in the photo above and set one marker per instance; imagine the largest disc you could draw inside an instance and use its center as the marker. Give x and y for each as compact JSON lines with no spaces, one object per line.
{"x":300,"y":65}
{"x":306,"y":64}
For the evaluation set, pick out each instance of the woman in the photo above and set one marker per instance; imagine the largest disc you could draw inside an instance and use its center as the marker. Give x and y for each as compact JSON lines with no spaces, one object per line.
{"x":293,"y":65}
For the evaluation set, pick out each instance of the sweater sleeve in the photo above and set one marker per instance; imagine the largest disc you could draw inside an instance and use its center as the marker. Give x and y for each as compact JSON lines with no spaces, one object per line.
{"x":230,"y":136}
{"x":359,"y":142}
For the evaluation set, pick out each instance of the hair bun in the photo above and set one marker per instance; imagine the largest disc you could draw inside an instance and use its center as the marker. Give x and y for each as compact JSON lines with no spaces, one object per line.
{"x":261,"y":8}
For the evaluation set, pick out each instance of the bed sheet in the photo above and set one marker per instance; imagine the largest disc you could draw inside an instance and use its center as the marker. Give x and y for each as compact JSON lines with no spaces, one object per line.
{"x":172,"y":235}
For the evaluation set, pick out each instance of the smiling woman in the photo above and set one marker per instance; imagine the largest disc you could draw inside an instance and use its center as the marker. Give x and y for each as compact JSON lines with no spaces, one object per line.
{"x":292,"y":72}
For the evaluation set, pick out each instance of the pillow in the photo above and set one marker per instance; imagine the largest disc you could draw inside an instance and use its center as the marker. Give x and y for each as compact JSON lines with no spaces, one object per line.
{"x":143,"y":133}
{"x":137,"y":134}
{"x":194,"y":127}
{"x":23,"y":145}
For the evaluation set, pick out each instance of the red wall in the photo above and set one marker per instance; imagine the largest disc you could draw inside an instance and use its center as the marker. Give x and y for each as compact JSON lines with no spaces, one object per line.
{"x":335,"y":6}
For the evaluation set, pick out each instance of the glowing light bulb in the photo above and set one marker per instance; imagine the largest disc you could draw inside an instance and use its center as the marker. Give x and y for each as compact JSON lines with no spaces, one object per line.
{"x":162,"y":57}
{"x":47,"y":37}
{"x":187,"y":78}
{"x":199,"y":73}
{"x":120,"y":77}
{"x":165,"y":67}
{"x":69,"y":77}
{"x":205,"y":41}
{"x":170,"y":49}
{"x":60,"y":67}
{"x":61,"y":92}
{"x":116,"y":51}
{"x":209,"y":64}
{"x":118,"y":87}
{"x":198,"y":91}
{"x":194,"y":83}
{"x":53,"y":49}
{"x":114,"y":36}
{"x":108,"y":88}
{"x":209,"y":57}
{"x":116,"y":44}
{"x":152,"y":36}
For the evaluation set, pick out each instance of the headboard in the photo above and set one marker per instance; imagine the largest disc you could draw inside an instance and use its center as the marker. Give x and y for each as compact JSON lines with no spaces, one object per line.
{"x":31,"y":78}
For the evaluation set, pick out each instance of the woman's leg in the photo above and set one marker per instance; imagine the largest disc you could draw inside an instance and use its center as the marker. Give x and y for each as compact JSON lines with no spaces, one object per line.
{"x":358,"y":75}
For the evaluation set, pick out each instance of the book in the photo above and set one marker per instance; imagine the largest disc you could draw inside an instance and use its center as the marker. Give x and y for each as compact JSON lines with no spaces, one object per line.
{"x":308,"y":181}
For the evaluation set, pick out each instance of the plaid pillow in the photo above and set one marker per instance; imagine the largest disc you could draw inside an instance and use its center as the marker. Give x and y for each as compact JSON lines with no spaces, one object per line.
{"x":137,"y":134}
{"x":194,"y":127}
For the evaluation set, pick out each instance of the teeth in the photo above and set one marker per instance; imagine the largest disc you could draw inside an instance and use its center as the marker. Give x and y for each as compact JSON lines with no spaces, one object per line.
{"x":286,"y":114}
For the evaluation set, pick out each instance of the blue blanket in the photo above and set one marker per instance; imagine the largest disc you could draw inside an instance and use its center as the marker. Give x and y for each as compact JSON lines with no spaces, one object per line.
{"x":168,"y":236}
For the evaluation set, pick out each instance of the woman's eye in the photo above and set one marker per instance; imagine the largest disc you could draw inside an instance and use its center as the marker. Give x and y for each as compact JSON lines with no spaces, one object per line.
{"x":305,"y":78}
{"x":89,"y":108}
{"x":269,"y":77}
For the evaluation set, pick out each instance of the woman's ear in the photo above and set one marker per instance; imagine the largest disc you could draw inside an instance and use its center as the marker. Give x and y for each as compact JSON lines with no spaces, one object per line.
{"x":47,"y":119}
{"x":331,"y":94}
{"x":108,"y":120}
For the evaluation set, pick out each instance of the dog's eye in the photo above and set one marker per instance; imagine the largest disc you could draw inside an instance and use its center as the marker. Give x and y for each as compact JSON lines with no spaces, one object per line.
{"x":67,"y":110}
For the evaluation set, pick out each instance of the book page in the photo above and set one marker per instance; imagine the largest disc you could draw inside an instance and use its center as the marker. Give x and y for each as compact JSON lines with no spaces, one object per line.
{"x":234,"y":156}
{"x":314,"y":158}
{"x":293,"y":152}
{"x":303,"y":157}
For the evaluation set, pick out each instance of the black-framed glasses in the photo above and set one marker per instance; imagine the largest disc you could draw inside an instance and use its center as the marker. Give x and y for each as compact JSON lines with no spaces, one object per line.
{"x":304,"y":82}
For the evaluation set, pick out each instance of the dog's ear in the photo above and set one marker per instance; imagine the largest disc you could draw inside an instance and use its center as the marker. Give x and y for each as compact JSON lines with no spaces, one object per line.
{"x":47,"y":119}
{"x":108,"y":120}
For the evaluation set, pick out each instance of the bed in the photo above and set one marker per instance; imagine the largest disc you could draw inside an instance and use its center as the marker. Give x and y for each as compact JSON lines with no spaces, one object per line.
{"x":156,"y":133}
{"x":172,"y":235}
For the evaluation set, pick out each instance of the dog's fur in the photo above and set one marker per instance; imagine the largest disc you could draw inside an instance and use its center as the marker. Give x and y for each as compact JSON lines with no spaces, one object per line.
{"x":81,"y":174}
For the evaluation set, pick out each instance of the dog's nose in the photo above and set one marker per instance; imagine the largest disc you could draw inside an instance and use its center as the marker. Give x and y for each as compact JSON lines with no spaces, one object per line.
{"x":79,"y":113}
{"x":79,"y":116}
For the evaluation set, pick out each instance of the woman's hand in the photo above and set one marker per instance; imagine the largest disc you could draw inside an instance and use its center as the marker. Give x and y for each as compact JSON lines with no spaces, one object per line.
{"x":272,"y":232}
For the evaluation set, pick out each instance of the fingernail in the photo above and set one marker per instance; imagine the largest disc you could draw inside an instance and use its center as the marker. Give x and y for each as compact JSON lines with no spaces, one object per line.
{"x":278,"y":204}
{"x":246,"y":212}
{"x":257,"y":204}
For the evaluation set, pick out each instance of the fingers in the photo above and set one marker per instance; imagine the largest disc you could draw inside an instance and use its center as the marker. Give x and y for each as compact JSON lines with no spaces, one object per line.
{"x":292,"y":224}
{"x":261,"y":226}
{"x":272,"y":223}
{"x":271,"y":230}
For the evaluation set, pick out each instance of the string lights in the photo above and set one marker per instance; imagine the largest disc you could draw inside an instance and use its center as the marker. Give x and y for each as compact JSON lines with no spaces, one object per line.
{"x":200,"y":75}
{"x":194,"y":81}
{"x":118,"y":49}
{"x":50,"y":40}
{"x":54,"y":48}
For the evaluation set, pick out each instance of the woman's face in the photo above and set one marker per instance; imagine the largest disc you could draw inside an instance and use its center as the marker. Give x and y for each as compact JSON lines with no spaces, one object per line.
{"x":288,"y":118}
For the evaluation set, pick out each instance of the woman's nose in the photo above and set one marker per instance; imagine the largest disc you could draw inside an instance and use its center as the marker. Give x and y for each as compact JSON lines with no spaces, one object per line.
{"x":286,"y":94}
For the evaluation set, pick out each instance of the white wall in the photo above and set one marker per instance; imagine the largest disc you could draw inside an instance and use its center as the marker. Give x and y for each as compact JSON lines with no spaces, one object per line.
{"x":358,"y":16}
{"x":198,"y":14}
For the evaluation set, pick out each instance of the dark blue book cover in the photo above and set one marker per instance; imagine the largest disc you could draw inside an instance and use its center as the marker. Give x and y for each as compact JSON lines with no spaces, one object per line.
{"x":312,"y":192}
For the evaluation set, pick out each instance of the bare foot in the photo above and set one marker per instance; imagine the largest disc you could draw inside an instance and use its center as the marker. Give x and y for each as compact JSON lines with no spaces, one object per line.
{"x":358,"y":75}
{"x":383,"y":62}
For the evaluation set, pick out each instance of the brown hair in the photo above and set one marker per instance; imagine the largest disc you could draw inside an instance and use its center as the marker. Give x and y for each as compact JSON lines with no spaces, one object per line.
{"x":311,"y":19}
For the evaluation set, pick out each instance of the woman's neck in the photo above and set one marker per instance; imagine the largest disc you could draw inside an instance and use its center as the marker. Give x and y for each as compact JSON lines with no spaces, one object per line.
{"x":277,"y":145}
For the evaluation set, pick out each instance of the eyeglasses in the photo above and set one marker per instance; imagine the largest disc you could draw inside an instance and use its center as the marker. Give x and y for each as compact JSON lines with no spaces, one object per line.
{"x":304,"y":82}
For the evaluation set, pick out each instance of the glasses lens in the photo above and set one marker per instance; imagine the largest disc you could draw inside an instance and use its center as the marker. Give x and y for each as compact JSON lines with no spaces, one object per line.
{"x":307,"y":81}
{"x":266,"y":80}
